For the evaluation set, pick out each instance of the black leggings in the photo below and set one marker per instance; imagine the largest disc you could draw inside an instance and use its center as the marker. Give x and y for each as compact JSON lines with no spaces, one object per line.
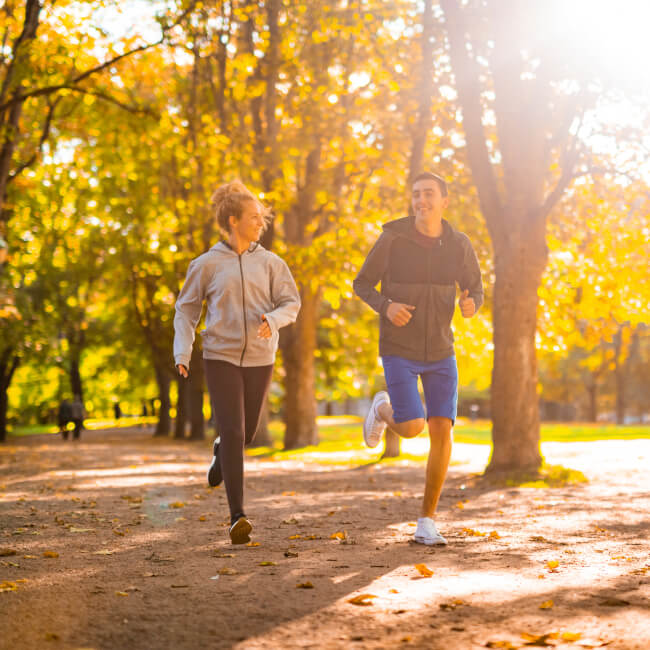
{"x":237,"y":395}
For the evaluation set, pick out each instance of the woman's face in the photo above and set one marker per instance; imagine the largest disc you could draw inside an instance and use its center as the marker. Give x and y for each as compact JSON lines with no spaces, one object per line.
{"x":251,"y":224}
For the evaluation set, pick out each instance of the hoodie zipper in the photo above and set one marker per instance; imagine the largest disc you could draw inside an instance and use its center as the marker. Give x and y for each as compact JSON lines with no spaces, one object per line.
{"x":243,"y":306}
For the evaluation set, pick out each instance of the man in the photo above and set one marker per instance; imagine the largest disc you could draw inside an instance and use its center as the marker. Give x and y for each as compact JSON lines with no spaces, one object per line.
{"x":419,"y":260}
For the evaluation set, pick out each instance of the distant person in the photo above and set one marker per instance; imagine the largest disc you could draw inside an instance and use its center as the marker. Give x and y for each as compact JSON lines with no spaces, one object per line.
{"x":117,"y":411}
{"x":419,"y":260}
{"x":250,"y":294}
{"x":64,"y":416}
{"x":77,"y":418}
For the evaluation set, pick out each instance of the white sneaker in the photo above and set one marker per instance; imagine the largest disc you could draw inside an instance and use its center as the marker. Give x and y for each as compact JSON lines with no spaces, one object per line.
{"x":427,"y":533}
{"x":373,"y":425}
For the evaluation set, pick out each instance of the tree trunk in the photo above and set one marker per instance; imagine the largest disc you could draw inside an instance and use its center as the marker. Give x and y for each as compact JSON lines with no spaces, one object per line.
{"x":75,"y":378}
{"x":298,"y":347}
{"x":163,"y":379}
{"x":196,"y":383}
{"x":515,"y":403}
{"x":182,"y":407}
{"x":8,"y":364}
{"x":592,"y":393}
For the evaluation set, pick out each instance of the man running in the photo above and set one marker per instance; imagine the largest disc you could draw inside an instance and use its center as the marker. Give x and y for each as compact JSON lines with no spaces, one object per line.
{"x":419,"y":260}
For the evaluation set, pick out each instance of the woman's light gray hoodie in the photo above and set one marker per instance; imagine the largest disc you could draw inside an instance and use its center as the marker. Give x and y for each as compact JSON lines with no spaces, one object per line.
{"x":238,"y":290}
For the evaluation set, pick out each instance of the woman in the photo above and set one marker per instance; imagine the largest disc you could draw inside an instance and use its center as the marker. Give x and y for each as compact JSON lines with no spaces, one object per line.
{"x":250,"y":294}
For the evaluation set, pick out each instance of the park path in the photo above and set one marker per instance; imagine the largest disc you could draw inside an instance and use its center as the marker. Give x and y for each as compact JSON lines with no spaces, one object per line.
{"x":141,"y":557}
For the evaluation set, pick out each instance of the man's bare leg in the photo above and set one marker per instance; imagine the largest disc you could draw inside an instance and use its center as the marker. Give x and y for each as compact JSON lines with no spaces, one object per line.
{"x":437,"y":464}
{"x":408,"y":429}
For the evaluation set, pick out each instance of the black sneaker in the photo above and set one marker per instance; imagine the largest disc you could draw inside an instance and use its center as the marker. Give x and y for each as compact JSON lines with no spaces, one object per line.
{"x":240,"y":530}
{"x":214,"y":471}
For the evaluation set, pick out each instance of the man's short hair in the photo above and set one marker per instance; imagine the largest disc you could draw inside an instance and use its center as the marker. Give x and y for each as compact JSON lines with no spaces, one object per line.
{"x":422,"y":176}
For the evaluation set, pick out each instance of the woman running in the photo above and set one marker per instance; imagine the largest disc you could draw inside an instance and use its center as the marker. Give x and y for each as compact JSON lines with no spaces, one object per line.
{"x":250,"y":294}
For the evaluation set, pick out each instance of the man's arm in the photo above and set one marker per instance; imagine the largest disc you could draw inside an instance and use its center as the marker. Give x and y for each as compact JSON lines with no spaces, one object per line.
{"x":471,"y":284}
{"x":371,"y":273}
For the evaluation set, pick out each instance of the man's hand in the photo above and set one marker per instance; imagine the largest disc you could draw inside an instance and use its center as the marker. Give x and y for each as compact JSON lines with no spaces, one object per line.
{"x":466,"y":304}
{"x":399,"y":314}
{"x":182,"y":370}
{"x":264,"y":330}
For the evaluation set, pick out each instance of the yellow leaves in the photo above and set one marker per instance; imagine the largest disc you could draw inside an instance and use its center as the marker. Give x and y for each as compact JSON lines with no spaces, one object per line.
{"x":552,"y":565}
{"x":6,"y":552}
{"x":424,"y":570}
{"x":8,"y":586}
{"x":50,"y":554}
{"x":177,"y":504}
{"x":494,"y":535}
{"x":469,"y":532}
{"x":458,"y":602}
{"x":570,"y":636}
{"x":289,"y":494}
{"x":203,"y":518}
{"x":393,"y":591}
{"x":121,"y":593}
{"x":547,"y":604}
{"x":268,"y":564}
{"x":304,"y":585}
{"x":295,"y":536}
{"x":506,"y":645}
{"x":227,"y":571}
{"x":250,"y":544}
{"x":460,"y":505}
{"x":341,"y":535}
{"x":81,"y":530}
{"x":362,"y":600}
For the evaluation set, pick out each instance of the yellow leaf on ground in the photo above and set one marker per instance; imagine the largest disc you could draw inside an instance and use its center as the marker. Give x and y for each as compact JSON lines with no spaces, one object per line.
{"x":50,"y":554}
{"x":6,"y":552}
{"x":473,"y":533}
{"x":119,"y":533}
{"x":7,"y":586}
{"x":177,"y":504}
{"x":571,"y":636}
{"x":424,"y":570}
{"x":552,"y":564}
{"x":294,"y":537}
{"x":250,"y":544}
{"x":226,"y":571}
{"x":203,"y":518}
{"x":268,"y":564}
{"x":104,"y":551}
{"x":30,"y":557}
{"x":539,"y":639}
{"x":289,"y":494}
{"x":494,"y":535}
{"x":547,"y":604}
{"x":501,"y":644}
{"x":304,"y":585}
{"x":460,"y":505}
{"x":362,"y":600}
{"x":121,"y":593}
{"x":393,"y":591}
{"x":341,"y":534}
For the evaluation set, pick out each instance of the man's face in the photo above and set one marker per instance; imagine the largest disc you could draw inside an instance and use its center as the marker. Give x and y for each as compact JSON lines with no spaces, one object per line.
{"x":427,"y":200}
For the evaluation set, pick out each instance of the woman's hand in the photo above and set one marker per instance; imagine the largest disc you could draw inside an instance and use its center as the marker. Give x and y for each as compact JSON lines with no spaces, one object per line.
{"x":264,"y":330}
{"x":182,"y":370}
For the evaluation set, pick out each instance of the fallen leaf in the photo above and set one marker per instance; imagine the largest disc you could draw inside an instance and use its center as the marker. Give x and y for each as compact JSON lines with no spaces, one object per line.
{"x":539,"y":538}
{"x":460,"y":505}
{"x":121,"y":593}
{"x":424,"y":570}
{"x":539,"y":640}
{"x":177,"y":504}
{"x":393,"y":591}
{"x":501,"y":644}
{"x":552,"y":565}
{"x":119,"y":533}
{"x":6,"y":552}
{"x":226,"y":571}
{"x":252,"y":544}
{"x":304,"y":585}
{"x":7,"y":586}
{"x":294,"y":537}
{"x":30,"y":557}
{"x":268,"y":564}
{"x":203,"y":518}
{"x":179,"y":586}
{"x":406,"y":639}
{"x":469,"y":532}
{"x":341,"y":534}
{"x":51,"y":636}
{"x":51,"y":554}
{"x":452,"y":605}
{"x":570,"y":636}
{"x":547,"y":604}
{"x":494,"y":535}
{"x":362,"y":600}
{"x":81,"y":530}
{"x":289,"y":494}
{"x":290,"y":554}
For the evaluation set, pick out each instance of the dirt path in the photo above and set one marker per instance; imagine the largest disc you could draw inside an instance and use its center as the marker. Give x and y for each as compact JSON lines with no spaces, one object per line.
{"x":144,"y":560}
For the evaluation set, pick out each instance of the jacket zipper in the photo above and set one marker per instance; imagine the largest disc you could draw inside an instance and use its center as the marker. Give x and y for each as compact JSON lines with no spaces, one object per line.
{"x":426,"y":307}
{"x":243,"y":306}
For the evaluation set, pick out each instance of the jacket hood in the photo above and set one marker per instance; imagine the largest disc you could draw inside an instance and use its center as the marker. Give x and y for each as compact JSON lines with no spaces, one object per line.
{"x":405,"y":227}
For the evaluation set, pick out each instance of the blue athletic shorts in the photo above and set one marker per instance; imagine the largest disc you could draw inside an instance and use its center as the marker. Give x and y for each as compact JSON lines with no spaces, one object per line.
{"x":439,"y":380}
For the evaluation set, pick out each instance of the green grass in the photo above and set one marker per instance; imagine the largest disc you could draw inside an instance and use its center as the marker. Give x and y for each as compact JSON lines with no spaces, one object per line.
{"x":92,"y":424}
